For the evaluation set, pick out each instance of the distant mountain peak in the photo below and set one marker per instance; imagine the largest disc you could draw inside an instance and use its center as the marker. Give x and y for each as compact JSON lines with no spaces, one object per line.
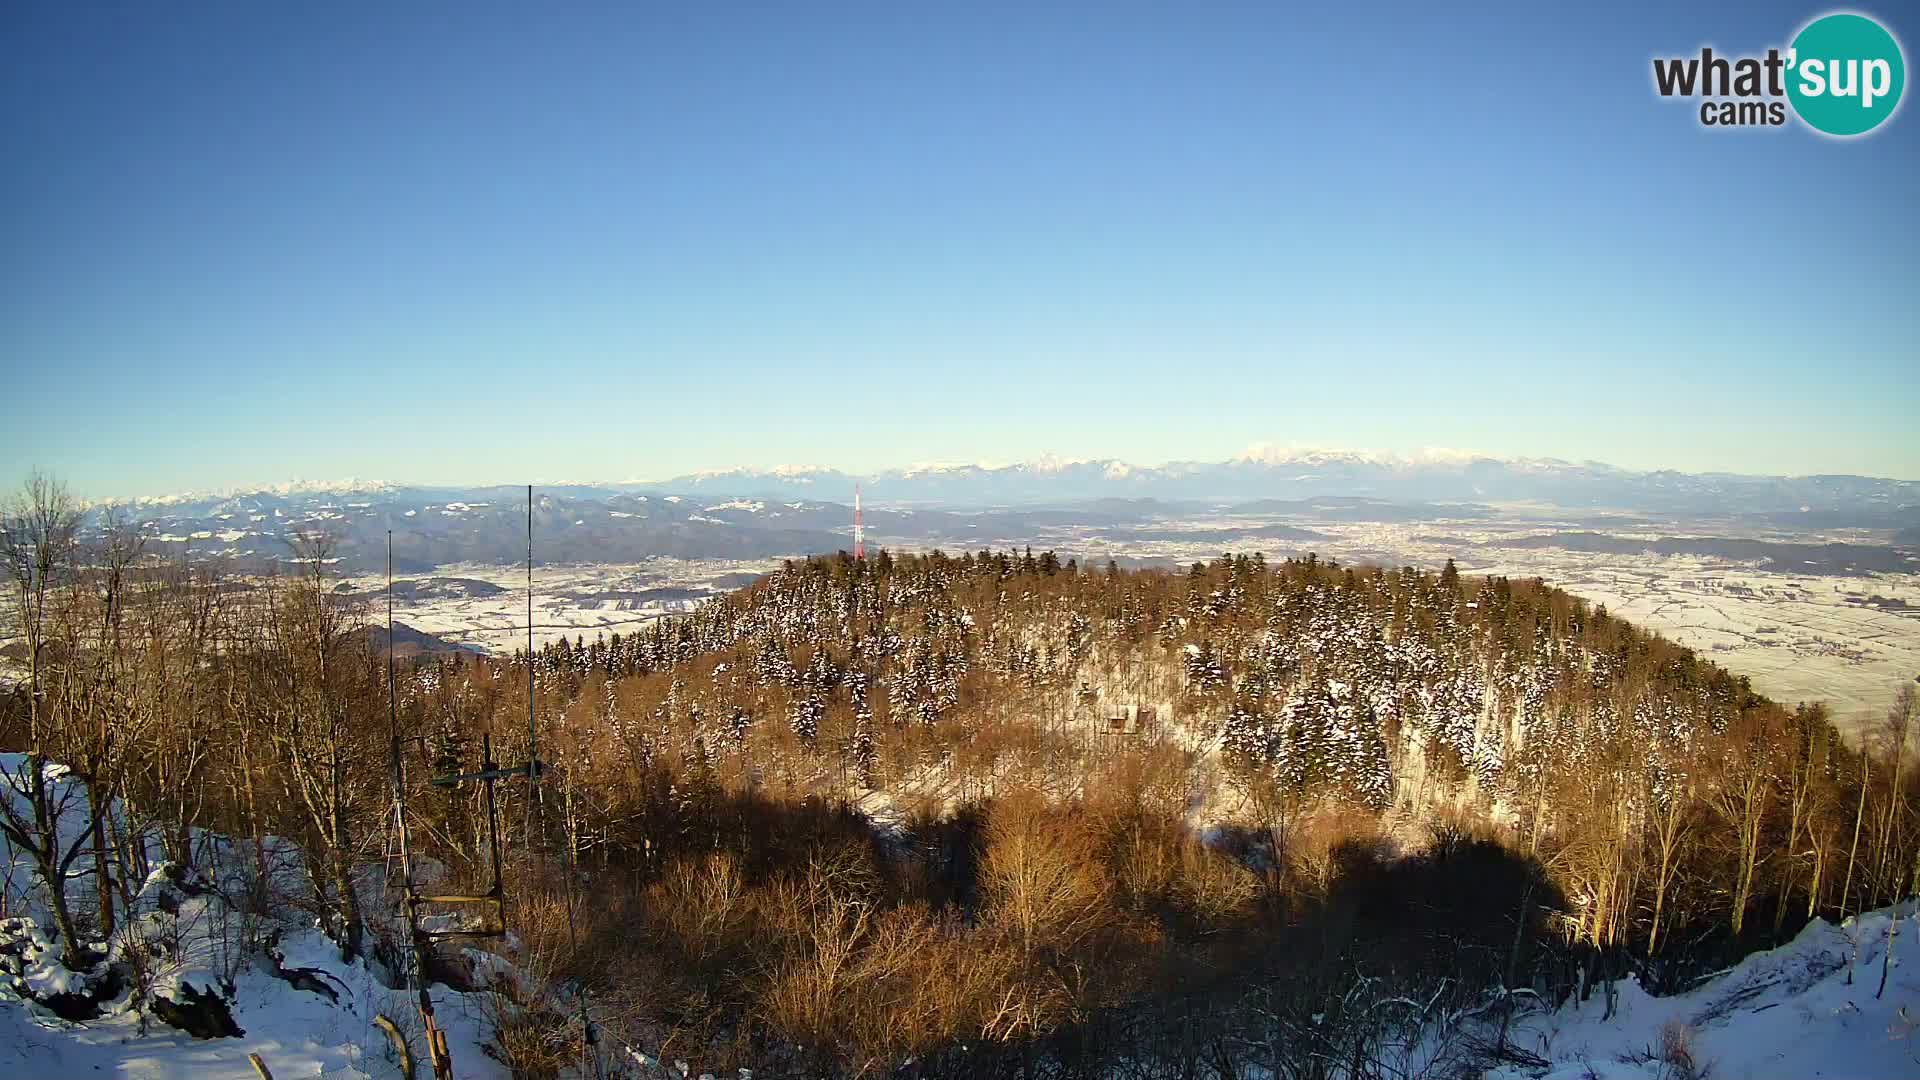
{"x":1290,"y":454}
{"x":1053,"y":463}
{"x":1275,"y":470}
{"x":802,"y":474}
{"x":1261,"y":471}
{"x":285,"y":489}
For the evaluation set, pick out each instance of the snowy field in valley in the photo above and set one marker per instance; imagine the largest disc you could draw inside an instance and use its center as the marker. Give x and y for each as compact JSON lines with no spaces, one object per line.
{"x":485,"y":607}
{"x":1797,"y":637}
{"x":1850,"y":641}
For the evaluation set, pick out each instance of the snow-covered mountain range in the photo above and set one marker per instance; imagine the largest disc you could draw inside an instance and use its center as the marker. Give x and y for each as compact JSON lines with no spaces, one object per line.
{"x":1262,"y":472}
{"x":776,"y":512}
{"x":1266,"y":472}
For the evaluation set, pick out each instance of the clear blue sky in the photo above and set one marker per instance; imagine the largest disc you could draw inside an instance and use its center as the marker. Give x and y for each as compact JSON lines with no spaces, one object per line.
{"x":248,"y":243}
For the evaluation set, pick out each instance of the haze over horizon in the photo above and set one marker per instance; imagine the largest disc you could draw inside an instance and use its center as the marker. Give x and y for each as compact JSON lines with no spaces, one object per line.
{"x":1438,"y":458}
{"x":251,"y":243}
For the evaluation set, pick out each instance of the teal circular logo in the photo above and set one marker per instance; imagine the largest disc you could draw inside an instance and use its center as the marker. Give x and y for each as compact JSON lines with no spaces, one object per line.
{"x":1845,"y":74}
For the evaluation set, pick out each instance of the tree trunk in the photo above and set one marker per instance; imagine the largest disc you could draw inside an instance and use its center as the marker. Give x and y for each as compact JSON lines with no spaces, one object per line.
{"x":69,"y":934}
{"x":45,"y":849}
{"x":1886,"y":955}
{"x":1853,"y":850}
{"x":1813,"y":887}
{"x":102,"y":856}
{"x":1743,"y":890}
{"x":1780,"y":902}
{"x":351,"y":930}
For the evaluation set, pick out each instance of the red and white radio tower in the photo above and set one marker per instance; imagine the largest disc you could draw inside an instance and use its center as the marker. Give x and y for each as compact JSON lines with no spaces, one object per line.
{"x":859,"y":537}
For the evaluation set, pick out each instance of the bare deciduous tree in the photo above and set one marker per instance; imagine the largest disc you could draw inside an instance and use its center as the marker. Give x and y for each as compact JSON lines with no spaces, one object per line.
{"x":38,"y":532}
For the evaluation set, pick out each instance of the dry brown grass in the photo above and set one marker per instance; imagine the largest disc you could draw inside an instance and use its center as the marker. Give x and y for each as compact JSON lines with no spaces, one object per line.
{"x":533,"y":1045}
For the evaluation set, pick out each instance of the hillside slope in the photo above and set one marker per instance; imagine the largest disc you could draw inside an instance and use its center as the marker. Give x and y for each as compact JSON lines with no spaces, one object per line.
{"x":1811,"y":1008}
{"x":966,"y":814}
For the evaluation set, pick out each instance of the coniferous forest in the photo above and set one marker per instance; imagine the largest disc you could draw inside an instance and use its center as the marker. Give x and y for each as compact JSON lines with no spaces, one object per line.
{"x":945,"y":815}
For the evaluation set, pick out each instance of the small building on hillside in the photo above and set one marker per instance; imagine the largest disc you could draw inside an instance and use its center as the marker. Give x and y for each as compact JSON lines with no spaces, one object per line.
{"x":1132,"y":718}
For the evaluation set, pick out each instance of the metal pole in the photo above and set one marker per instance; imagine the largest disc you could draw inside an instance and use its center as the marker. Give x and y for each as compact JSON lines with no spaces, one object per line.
{"x":498,"y":892}
{"x":442,"y":1061}
{"x":393,"y":708}
{"x":533,"y":749}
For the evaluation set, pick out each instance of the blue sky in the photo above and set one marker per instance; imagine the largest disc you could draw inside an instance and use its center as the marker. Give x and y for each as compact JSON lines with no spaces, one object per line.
{"x":247,"y":243}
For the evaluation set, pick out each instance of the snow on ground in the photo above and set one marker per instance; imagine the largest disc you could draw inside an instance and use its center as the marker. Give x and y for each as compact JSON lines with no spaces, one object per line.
{"x":1799,"y":637}
{"x":569,"y":601}
{"x":1811,"y":1008}
{"x":300,"y":1034}
{"x":1790,"y":1012}
{"x":191,"y":938}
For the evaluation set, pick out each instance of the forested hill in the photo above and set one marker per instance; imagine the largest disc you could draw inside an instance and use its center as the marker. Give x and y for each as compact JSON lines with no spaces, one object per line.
{"x":1659,"y":788}
{"x":1371,"y":686}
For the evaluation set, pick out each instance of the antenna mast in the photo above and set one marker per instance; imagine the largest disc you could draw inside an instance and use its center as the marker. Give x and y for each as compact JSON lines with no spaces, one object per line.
{"x":533,"y":752}
{"x":420,"y":940}
{"x":859,"y":535}
{"x":490,"y":772}
{"x":493,"y":920}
